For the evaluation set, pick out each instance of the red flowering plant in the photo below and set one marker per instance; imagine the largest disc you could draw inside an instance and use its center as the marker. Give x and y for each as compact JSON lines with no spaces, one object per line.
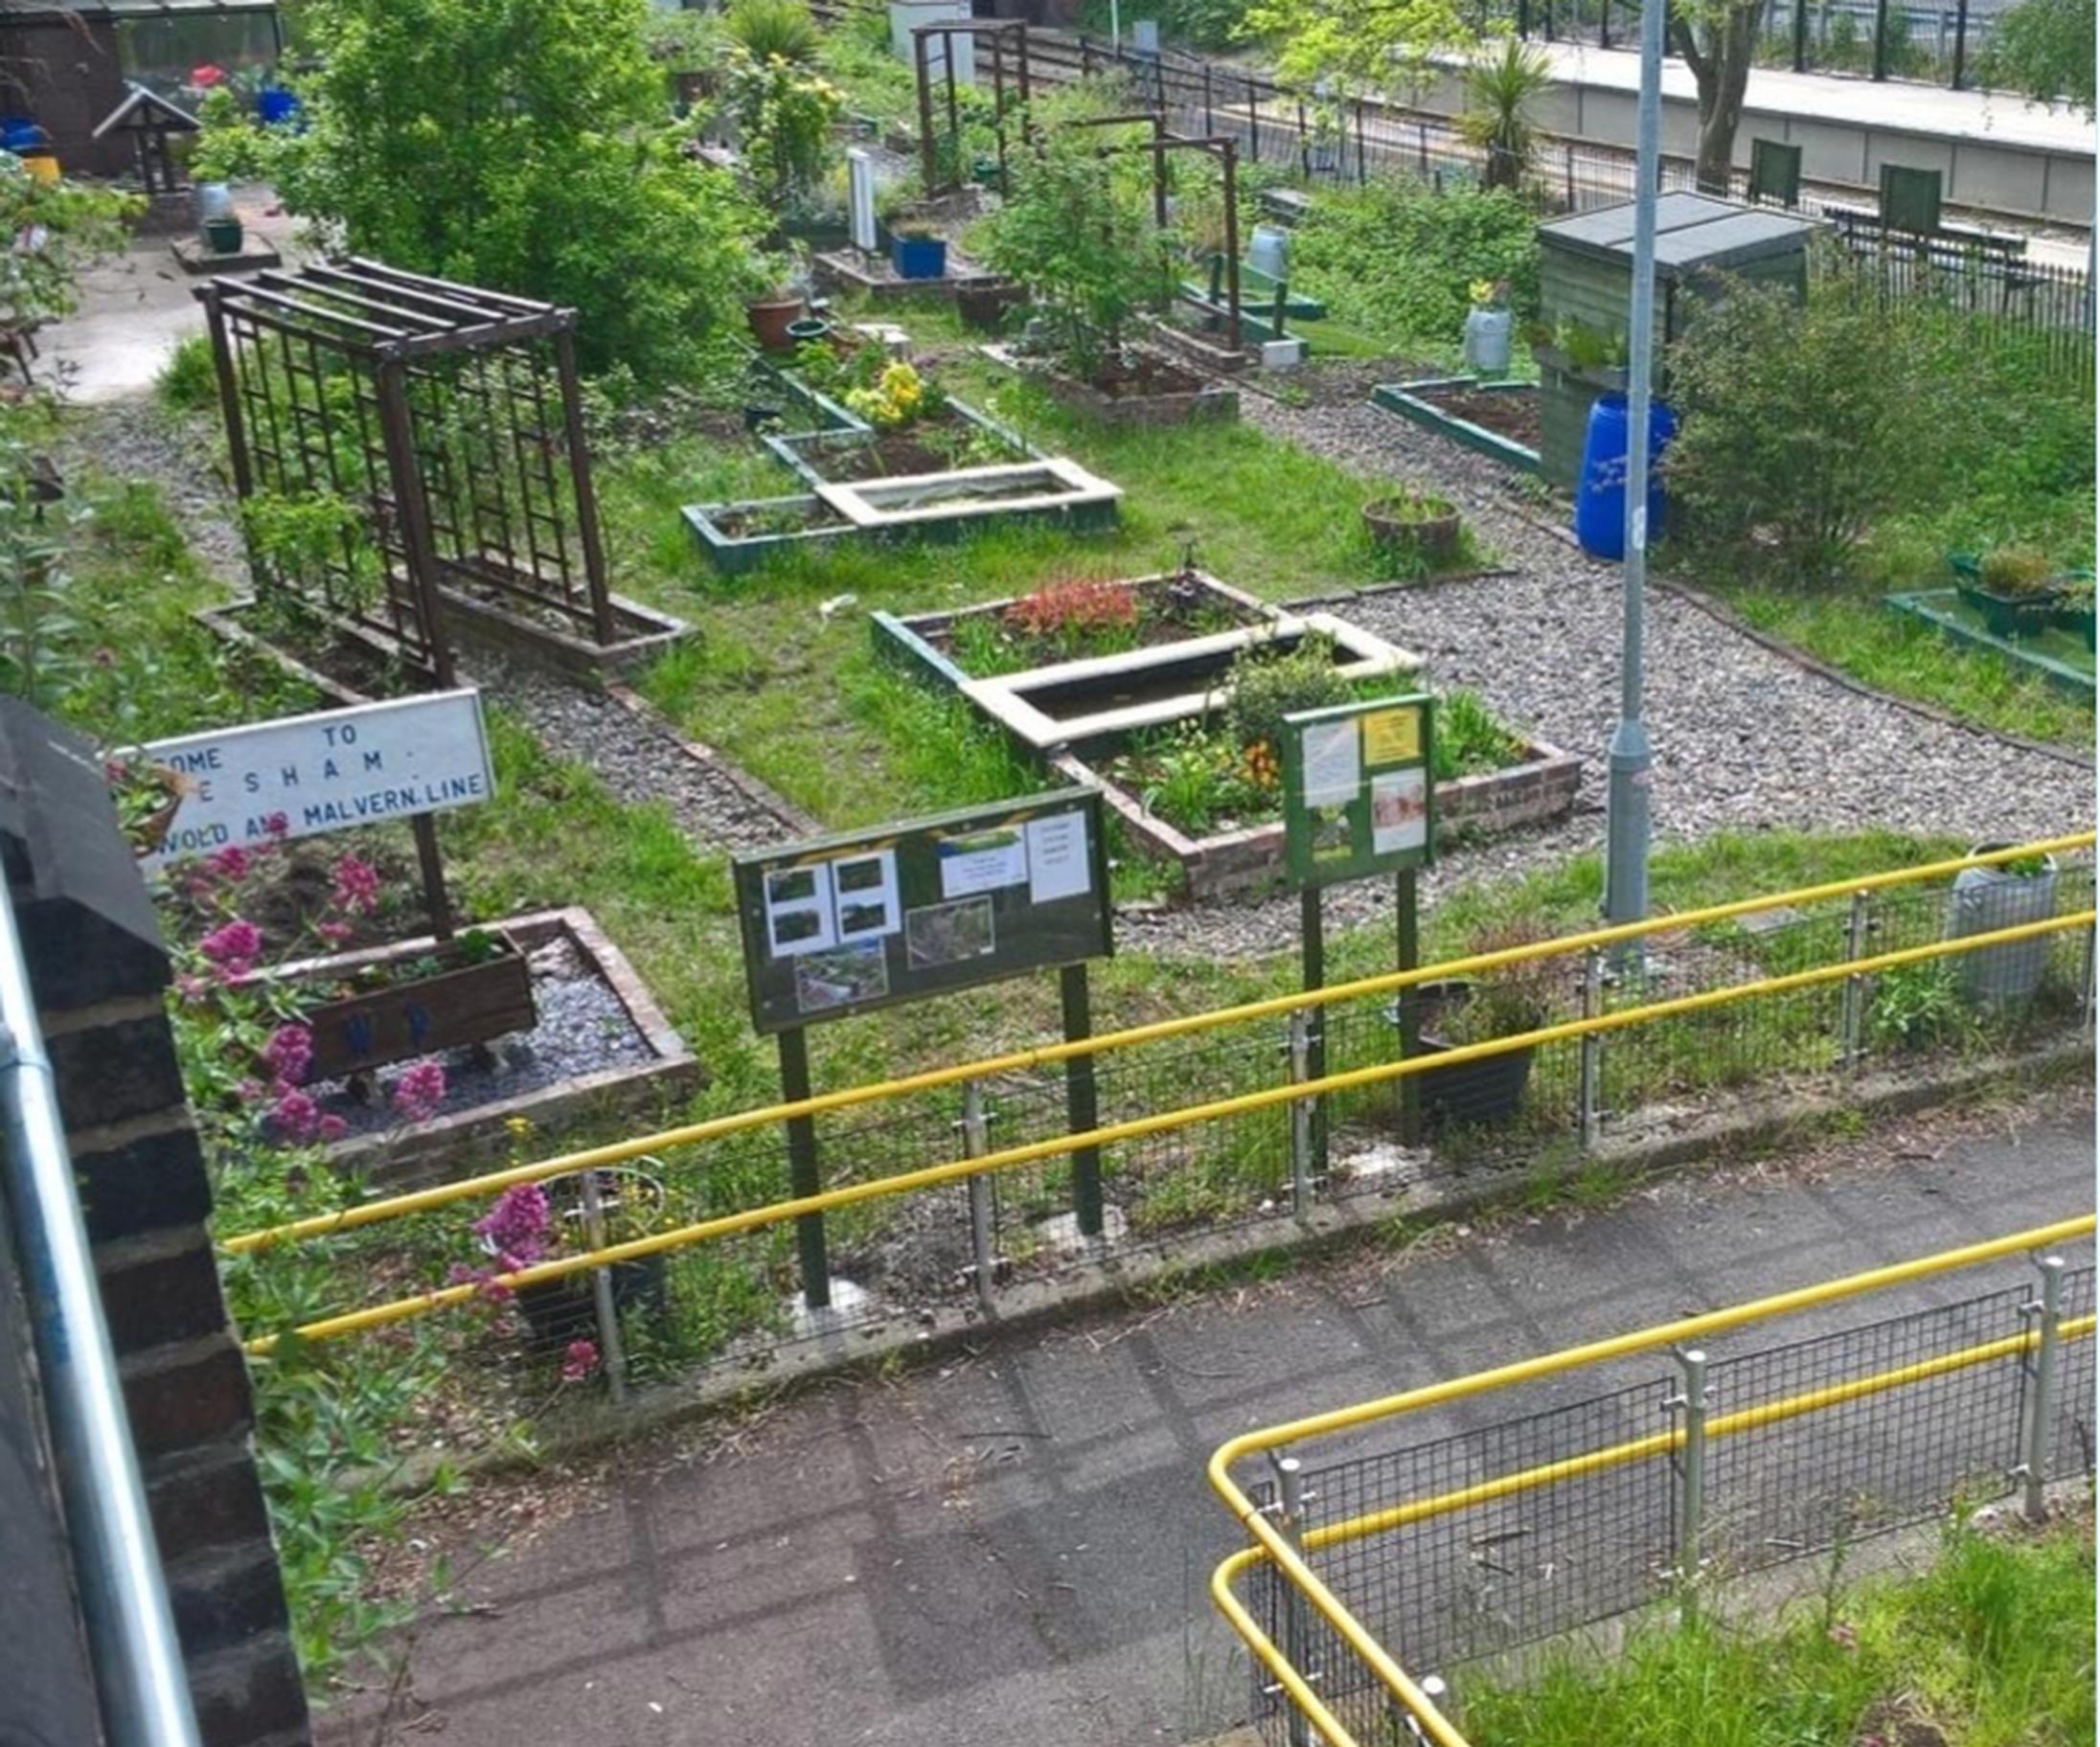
{"x":1078,"y":616}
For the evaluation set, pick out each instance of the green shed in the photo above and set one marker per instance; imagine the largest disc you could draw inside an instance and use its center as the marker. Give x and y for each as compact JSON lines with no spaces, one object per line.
{"x":1586,"y":276}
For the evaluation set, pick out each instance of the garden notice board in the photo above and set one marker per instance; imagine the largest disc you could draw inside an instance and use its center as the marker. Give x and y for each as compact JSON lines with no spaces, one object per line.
{"x":845,"y":923}
{"x":1358,"y":798}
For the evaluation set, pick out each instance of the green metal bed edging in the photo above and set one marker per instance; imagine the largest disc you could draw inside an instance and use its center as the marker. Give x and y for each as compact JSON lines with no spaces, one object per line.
{"x":1400,"y":397}
{"x":1935,"y":606}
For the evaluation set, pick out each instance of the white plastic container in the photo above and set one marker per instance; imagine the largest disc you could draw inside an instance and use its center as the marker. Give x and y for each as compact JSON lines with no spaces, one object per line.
{"x":1487,"y":342}
{"x":1269,"y":251}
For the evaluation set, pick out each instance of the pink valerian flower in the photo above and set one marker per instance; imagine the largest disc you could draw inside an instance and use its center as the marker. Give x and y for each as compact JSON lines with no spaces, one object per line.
{"x":419,"y":1091}
{"x":191,"y":989}
{"x":580,"y":1361}
{"x":233,"y":862}
{"x":234,"y":943}
{"x":357,"y":885}
{"x":517,"y":1226}
{"x":335,"y":933}
{"x":484,"y":1281}
{"x":296,"y":1118}
{"x":331,"y":1128}
{"x":290,"y":1053}
{"x":278,"y":825}
{"x":251,"y":1090}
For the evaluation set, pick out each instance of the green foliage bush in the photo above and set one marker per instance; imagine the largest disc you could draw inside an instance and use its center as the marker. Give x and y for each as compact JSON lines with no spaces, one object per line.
{"x":1803,"y":427}
{"x":522,"y":144}
{"x":1397,"y":260}
{"x":186,"y":382}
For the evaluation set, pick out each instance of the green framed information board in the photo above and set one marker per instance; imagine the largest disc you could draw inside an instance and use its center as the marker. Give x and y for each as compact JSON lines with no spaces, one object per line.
{"x":843,"y":924}
{"x":1358,"y":798}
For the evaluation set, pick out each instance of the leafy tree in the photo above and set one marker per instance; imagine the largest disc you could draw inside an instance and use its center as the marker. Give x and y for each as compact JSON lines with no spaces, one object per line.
{"x":2046,"y":49}
{"x":522,"y":144}
{"x":1718,"y":39}
{"x":1077,"y":230}
{"x":1367,"y":46}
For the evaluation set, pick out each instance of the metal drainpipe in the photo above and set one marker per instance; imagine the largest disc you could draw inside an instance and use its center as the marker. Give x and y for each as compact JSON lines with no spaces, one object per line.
{"x":139,"y":1672}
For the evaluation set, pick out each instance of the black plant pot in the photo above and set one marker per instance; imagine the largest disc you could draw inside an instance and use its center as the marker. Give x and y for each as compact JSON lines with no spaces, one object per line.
{"x":558,"y":1312}
{"x":1484,"y":1091}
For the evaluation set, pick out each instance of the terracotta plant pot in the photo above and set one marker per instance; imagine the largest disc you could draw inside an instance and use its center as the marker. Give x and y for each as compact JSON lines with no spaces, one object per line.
{"x":770,"y":318}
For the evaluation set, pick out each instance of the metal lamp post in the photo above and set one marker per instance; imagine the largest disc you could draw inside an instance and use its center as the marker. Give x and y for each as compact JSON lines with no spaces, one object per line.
{"x":1626,"y":822}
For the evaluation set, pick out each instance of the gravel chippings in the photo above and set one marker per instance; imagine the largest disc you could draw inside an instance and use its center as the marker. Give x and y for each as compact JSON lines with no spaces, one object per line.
{"x":640,"y":760}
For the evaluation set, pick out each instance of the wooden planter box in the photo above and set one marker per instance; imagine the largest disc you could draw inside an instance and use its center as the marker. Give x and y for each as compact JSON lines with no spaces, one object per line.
{"x":466,"y":1004}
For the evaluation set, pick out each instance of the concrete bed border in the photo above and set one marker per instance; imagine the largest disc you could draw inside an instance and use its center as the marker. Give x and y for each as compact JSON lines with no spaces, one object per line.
{"x":1330,"y":1227}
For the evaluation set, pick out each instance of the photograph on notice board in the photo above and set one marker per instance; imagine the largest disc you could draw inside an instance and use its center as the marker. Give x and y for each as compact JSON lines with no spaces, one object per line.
{"x":843,"y":976}
{"x":868,"y":903}
{"x":798,"y":910}
{"x":949,"y":934}
{"x":1400,"y":810}
{"x":1332,"y":836}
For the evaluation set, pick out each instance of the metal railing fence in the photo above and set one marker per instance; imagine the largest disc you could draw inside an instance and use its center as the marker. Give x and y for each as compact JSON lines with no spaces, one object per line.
{"x":1477,"y":1542}
{"x":1205,"y":1120}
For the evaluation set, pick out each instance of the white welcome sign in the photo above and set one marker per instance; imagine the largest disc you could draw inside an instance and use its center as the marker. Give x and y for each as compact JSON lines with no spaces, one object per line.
{"x":324,"y":772}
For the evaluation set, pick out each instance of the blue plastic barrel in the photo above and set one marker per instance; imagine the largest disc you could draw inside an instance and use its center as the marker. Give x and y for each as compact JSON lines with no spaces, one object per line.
{"x":1600,"y":493}
{"x":19,"y":134}
{"x":274,"y":104}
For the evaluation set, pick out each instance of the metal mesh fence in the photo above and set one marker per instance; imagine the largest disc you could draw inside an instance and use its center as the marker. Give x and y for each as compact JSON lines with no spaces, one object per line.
{"x":941,"y":1251}
{"x":1441,"y":1567}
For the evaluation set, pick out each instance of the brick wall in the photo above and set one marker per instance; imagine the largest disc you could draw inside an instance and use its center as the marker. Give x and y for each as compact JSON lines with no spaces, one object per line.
{"x":98,"y":968}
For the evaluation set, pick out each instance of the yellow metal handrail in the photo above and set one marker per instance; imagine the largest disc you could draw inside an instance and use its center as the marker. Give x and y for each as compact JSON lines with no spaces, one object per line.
{"x":491,"y":1183}
{"x":931,"y":1176}
{"x":1274,"y":1547}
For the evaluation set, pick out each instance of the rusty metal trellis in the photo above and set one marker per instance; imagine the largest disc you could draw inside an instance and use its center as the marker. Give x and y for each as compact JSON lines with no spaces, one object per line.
{"x":445,"y":418}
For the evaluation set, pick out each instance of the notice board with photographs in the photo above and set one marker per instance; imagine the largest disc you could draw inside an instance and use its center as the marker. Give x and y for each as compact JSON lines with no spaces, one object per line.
{"x":841,"y":924}
{"x":1358,"y":798}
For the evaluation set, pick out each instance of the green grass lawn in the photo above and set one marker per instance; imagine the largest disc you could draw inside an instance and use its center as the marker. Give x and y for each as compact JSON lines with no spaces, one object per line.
{"x":1856,"y":633}
{"x":1993,"y":1647}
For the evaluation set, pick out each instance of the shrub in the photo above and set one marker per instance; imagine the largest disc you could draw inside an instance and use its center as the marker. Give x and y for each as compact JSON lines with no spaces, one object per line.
{"x":784,"y":115}
{"x":774,"y":30}
{"x":1076,"y":613}
{"x":2015,"y":569}
{"x":1398,"y":260}
{"x":1265,"y":687}
{"x":1802,"y":426}
{"x":550,"y":172}
{"x":1077,"y":232}
{"x":188,"y":382}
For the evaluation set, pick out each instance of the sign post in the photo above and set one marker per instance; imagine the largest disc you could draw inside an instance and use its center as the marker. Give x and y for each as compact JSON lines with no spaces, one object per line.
{"x":262,"y":782}
{"x":848,"y":923}
{"x":1359,"y":802}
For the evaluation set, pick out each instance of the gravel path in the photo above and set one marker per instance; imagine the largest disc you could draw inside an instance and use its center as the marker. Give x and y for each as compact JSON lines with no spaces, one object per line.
{"x":1744,"y":738}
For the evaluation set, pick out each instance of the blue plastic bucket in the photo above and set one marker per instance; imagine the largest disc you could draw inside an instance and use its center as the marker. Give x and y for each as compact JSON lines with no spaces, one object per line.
{"x":274,"y":104}
{"x":918,"y":257}
{"x":1600,"y":493}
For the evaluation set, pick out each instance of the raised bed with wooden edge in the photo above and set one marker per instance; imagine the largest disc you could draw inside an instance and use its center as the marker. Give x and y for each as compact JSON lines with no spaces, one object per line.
{"x":455,"y":1140}
{"x":1229,"y":864}
{"x":463,"y":1002}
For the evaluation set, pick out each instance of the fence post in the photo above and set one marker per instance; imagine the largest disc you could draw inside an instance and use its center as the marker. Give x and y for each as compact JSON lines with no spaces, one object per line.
{"x":610,"y":1354}
{"x":1438,"y":1694}
{"x":1301,"y":1113}
{"x":2040,"y":1427}
{"x":1209,"y":128}
{"x":1800,"y":35}
{"x":1691,"y":1472}
{"x":1852,"y":1013}
{"x":1590,"y":1078}
{"x":1422,"y":147}
{"x":2086,"y":989}
{"x":984,"y":1259}
{"x":1881,"y":39}
{"x":1961,"y":43}
{"x":1291,"y":1520}
{"x":1254,"y":126}
{"x":1363,"y":168}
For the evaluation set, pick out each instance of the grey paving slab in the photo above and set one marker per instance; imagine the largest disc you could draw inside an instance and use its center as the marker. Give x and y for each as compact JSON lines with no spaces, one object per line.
{"x":1012,"y":1549}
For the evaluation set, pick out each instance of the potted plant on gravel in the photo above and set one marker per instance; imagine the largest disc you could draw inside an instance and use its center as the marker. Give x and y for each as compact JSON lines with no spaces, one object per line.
{"x":1501,"y":1003}
{"x":1414,"y":528}
{"x":2005,"y":894}
{"x":774,"y":300}
{"x":2013,"y":589}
